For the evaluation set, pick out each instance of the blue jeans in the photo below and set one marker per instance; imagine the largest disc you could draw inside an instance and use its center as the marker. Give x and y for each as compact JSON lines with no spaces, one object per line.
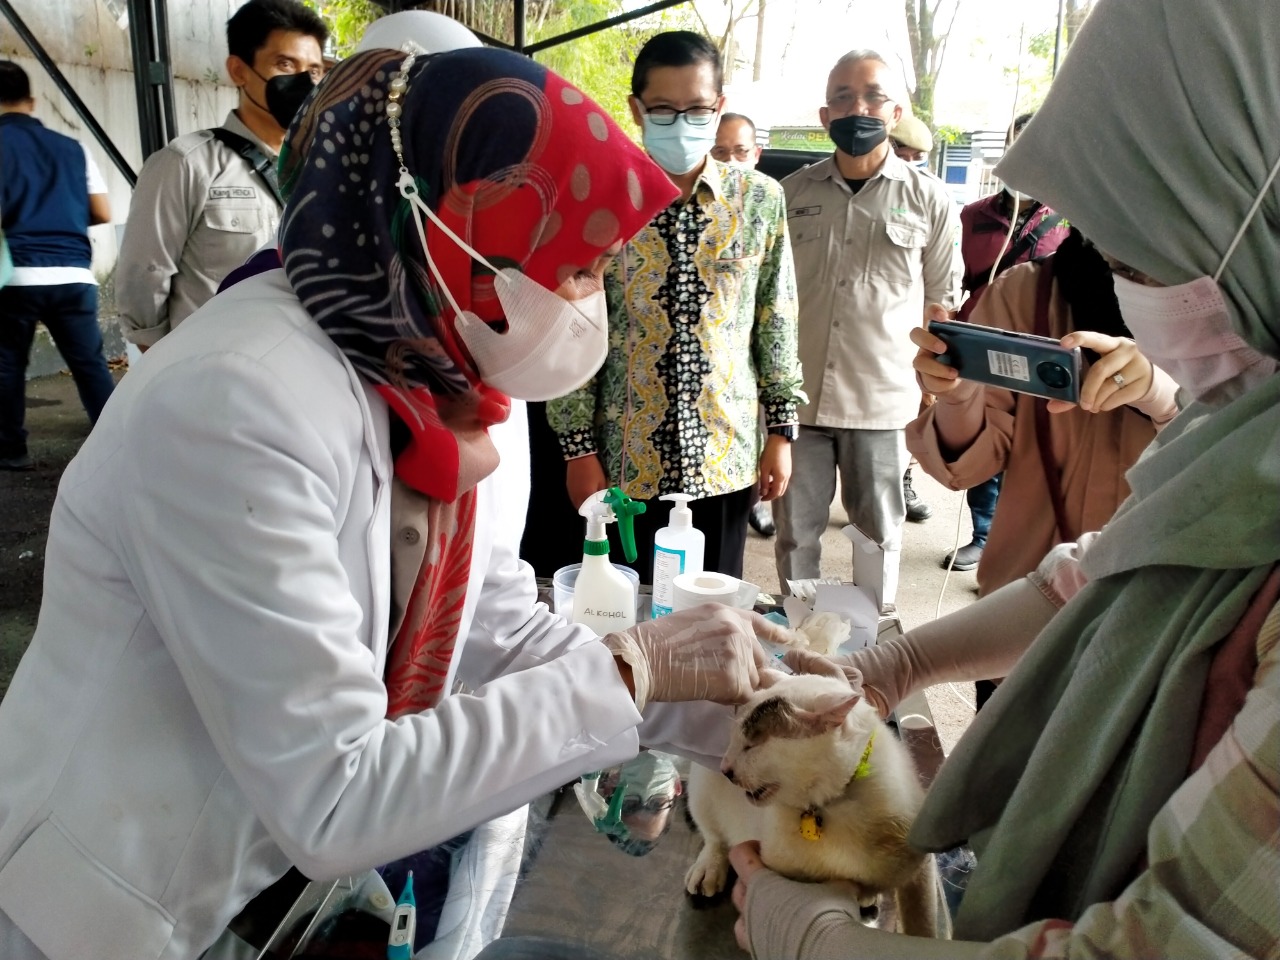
{"x":982,"y":507}
{"x":69,"y":312}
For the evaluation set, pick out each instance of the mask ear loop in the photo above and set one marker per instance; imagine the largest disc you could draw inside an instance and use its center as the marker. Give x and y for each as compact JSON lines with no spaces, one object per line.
{"x":408,"y":187}
{"x":1248,"y":218}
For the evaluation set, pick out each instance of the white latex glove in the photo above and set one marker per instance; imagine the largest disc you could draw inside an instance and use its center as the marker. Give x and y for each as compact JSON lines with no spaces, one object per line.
{"x":707,"y":653}
{"x":979,"y":642}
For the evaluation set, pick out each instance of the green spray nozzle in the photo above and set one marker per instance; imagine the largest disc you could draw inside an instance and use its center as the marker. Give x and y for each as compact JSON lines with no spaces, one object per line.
{"x":625,"y":511}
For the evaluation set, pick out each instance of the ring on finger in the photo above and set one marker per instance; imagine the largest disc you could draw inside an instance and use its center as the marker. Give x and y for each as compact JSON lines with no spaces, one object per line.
{"x":1119,"y":379}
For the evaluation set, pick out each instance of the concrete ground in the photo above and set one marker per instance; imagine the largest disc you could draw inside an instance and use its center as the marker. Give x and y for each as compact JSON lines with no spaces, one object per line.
{"x":58,"y":425}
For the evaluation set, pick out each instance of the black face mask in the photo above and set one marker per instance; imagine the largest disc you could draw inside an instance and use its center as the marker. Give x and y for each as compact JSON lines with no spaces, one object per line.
{"x":286,"y":92}
{"x":858,"y":136}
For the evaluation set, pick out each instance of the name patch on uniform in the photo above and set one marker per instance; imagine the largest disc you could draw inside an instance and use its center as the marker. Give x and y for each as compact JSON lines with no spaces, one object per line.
{"x":804,"y":212}
{"x":232,"y":193}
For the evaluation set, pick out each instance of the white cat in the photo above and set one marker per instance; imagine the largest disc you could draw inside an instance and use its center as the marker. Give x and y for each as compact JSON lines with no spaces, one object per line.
{"x":828,"y":790}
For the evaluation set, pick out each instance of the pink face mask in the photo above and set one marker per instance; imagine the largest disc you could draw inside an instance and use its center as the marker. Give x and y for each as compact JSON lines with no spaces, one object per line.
{"x":1185,"y":330}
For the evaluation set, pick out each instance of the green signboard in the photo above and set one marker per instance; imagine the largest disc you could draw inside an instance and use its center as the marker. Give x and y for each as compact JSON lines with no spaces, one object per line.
{"x":801,"y":138}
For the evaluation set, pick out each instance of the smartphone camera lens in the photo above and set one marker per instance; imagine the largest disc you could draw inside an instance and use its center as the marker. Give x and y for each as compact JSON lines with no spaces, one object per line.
{"x":1053,"y":375}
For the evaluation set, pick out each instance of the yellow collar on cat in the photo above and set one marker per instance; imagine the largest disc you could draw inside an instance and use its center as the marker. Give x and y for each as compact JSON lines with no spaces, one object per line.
{"x":811,"y":819}
{"x":864,"y":765}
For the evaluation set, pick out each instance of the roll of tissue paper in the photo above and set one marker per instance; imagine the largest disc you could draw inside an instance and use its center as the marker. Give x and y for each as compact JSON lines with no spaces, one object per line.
{"x":693,"y":589}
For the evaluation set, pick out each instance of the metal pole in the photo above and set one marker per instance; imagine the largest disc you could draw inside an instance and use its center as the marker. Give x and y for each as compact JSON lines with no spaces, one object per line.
{"x":152,"y":76}
{"x":1057,"y":37}
{"x":518,"y":25}
{"x":164,"y":63}
{"x":602,"y":25}
{"x":68,"y":91}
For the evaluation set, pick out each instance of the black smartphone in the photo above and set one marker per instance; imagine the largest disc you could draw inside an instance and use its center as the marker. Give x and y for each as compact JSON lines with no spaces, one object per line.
{"x":1021,"y":362}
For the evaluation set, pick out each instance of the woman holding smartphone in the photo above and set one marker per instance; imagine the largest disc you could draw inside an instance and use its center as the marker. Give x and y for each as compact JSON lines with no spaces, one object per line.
{"x":1064,"y":464}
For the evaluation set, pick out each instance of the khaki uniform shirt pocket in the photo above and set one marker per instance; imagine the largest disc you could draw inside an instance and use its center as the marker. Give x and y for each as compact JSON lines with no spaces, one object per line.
{"x":897,"y":251}
{"x":807,"y":250}
{"x":227,"y":233}
{"x":232,"y":217}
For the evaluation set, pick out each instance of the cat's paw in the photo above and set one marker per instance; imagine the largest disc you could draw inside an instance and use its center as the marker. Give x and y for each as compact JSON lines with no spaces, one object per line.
{"x":708,"y":874}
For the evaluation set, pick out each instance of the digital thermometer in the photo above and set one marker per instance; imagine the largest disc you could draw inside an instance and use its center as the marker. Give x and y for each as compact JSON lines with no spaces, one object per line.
{"x":403,"y":924}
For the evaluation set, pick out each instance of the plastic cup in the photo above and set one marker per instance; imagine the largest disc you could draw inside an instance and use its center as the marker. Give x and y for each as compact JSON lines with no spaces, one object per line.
{"x":565,"y":578}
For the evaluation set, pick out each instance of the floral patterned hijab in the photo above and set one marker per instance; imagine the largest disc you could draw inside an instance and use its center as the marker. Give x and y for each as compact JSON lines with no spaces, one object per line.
{"x":520,"y":164}
{"x":524,"y":168}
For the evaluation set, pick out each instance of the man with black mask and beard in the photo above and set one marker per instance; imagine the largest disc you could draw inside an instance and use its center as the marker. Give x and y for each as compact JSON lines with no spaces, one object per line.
{"x":209,"y":199}
{"x":874,"y":241}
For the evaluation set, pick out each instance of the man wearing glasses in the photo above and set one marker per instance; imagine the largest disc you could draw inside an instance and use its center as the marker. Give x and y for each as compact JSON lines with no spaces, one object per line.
{"x":208,"y":200}
{"x":702,"y":316}
{"x":874,"y":243}
{"x":736,"y":141}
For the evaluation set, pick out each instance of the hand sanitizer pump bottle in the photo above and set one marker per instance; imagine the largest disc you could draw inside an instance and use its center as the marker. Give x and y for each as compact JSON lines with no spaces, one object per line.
{"x":604,"y":599}
{"x":677,"y":548}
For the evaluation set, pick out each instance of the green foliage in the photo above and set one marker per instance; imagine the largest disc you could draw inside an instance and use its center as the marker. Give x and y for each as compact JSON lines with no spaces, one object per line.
{"x":1041,"y":45}
{"x":951,"y":135}
{"x":600,"y":63}
{"x":347,"y":20}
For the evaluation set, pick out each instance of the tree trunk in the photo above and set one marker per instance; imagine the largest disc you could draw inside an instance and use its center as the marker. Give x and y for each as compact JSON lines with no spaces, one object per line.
{"x":759,"y":61}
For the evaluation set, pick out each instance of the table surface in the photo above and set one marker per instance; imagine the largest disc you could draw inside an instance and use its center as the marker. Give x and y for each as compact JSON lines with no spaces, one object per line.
{"x":578,"y":886}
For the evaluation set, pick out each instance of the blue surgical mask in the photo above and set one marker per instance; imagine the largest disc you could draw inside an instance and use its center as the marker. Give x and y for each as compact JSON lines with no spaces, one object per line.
{"x":679,"y":147}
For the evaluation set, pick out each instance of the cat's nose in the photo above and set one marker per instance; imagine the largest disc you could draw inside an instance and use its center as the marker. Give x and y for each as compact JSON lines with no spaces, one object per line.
{"x":727,"y":770}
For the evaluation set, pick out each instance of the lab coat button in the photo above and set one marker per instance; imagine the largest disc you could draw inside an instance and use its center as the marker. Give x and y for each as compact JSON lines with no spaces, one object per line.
{"x":410,"y":535}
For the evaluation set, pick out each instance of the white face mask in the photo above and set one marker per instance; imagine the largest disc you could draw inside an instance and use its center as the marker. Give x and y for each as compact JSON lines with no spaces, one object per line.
{"x":1185,"y":330}
{"x":552,"y":346}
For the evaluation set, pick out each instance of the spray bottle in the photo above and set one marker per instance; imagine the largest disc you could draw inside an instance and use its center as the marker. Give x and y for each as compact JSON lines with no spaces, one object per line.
{"x":604,"y":599}
{"x":677,"y":548}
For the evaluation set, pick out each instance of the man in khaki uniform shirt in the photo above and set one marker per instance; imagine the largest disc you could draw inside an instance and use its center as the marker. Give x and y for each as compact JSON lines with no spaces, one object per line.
{"x":199,"y":209}
{"x":874,"y":241}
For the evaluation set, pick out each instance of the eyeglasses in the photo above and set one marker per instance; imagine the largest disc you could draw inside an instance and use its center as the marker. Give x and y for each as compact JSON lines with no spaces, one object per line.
{"x":737,"y":153}
{"x":665,"y":116}
{"x":847,"y":102}
{"x":652,"y":805}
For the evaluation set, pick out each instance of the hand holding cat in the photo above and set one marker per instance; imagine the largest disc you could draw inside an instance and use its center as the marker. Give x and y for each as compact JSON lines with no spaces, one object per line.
{"x":977,"y":642}
{"x":746,"y":861}
{"x":849,"y":668}
{"x":840,"y":894}
{"x":707,"y":653}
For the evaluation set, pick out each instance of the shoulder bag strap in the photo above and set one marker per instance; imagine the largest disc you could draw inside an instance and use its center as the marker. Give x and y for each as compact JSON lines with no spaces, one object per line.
{"x":258,"y":161}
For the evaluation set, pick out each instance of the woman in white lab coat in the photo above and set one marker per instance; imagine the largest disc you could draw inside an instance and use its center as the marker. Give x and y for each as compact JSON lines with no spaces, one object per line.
{"x":289,"y":536}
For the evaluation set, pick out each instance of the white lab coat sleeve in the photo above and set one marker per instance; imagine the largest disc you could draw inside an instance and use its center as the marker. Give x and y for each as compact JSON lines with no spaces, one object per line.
{"x":230,"y":539}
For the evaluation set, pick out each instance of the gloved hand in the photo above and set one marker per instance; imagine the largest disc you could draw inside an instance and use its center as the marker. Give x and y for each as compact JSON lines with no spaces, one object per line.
{"x":842,"y":668}
{"x":979,"y":642}
{"x":707,"y":653}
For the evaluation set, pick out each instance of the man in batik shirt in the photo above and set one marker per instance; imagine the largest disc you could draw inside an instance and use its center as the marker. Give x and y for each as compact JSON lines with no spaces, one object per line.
{"x":702,"y":306}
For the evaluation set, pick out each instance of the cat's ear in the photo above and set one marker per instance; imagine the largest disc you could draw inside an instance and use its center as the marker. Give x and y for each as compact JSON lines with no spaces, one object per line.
{"x":829,"y":714}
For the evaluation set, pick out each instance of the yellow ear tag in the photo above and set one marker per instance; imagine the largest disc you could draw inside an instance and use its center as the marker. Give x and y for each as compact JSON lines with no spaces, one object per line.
{"x":810,"y":825}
